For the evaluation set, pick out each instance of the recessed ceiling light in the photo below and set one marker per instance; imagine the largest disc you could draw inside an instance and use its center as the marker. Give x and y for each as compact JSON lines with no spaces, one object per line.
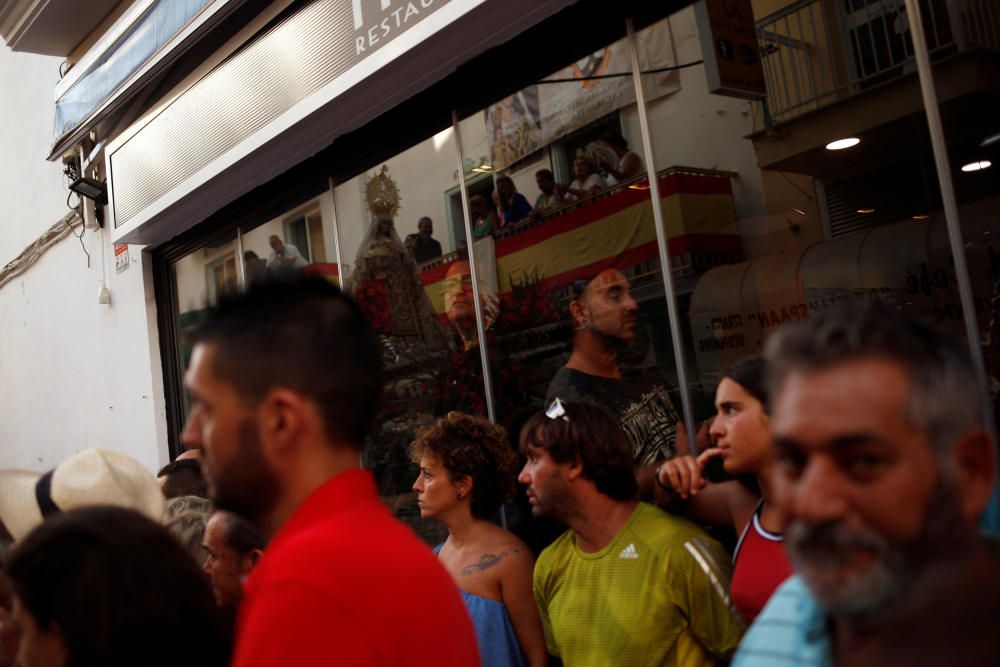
{"x":841,"y":144}
{"x":978,"y":165}
{"x":920,"y":217}
{"x":866,"y":211}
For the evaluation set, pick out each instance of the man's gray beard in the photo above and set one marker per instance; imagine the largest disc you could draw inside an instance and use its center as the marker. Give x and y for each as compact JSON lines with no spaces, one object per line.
{"x":897,"y":572}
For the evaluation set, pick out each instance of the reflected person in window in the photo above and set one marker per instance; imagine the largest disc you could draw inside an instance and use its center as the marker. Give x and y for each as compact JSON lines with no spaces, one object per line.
{"x":629,"y":162}
{"x":550,"y":197}
{"x":605,"y":319}
{"x":484,"y":217}
{"x":422,"y":245}
{"x":284,"y":255}
{"x":256,"y":267}
{"x":466,"y":472}
{"x":586,"y":181}
{"x":511,"y":202}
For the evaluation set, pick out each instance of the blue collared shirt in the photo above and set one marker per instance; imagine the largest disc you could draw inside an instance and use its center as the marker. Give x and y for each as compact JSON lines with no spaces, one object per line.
{"x":790,"y":630}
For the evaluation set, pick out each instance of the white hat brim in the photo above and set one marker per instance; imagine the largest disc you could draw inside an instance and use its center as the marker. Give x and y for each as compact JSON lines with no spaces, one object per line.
{"x":18,"y":504}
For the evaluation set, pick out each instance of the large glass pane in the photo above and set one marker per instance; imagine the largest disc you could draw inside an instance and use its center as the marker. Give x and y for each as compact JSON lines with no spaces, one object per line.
{"x":399,"y":227}
{"x":964,"y":38}
{"x":823,"y":191}
{"x":299,"y":238}
{"x":200,"y":278}
{"x":566,"y":247}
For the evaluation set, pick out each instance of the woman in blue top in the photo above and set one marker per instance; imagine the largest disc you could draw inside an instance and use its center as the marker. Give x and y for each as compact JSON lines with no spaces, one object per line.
{"x":467,"y":470}
{"x":512,"y":204}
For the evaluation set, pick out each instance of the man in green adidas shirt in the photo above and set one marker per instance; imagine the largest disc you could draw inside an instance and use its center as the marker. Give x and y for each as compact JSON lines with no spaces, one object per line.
{"x":627,"y":584}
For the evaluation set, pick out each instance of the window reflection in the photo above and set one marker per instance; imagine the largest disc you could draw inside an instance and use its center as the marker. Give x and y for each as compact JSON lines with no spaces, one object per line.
{"x":409,"y":270}
{"x":566,"y":232}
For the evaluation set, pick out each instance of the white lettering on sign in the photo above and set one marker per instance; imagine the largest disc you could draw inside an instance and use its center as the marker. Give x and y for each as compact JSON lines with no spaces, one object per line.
{"x":359,"y":17}
{"x":389,"y":23}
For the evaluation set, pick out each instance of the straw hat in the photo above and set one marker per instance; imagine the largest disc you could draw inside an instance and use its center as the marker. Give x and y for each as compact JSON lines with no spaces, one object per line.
{"x":90,"y":477}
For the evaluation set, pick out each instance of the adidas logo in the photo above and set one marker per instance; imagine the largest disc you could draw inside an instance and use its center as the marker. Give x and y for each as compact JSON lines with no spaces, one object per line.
{"x":629,"y":552}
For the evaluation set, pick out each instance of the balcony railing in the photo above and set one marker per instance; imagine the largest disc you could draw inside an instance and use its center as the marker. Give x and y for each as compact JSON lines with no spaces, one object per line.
{"x":819,"y":51}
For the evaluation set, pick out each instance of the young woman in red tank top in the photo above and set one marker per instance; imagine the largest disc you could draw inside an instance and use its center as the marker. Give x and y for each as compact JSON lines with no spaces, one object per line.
{"x":741,"y":437}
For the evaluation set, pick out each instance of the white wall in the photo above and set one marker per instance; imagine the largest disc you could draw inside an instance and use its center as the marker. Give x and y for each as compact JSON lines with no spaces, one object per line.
{"x":73,"y":373}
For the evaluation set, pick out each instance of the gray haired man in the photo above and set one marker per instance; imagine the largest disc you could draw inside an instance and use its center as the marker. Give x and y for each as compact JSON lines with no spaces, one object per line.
{"x":884,"y":469}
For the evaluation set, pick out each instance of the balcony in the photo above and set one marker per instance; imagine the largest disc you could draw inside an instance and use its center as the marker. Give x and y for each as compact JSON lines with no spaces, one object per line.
{"x":817,"y":52}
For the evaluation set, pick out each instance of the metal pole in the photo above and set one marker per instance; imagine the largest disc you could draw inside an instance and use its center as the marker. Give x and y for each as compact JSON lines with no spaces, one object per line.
{"x":474,"y":270}
{"x":484,"y":357}
{"x":241,"y":265}
{"x":661,"y":237}
{"x":341,"y":271}
{"x":942,"y":163}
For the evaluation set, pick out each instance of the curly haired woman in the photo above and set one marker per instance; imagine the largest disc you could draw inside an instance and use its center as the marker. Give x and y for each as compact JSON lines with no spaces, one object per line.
{"x":467,"y":470}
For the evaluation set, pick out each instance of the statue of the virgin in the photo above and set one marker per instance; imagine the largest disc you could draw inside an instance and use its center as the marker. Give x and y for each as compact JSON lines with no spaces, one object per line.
{"x":386,"y":269}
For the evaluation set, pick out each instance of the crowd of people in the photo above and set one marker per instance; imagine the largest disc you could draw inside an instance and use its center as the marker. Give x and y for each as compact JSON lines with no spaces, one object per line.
{"x":856,"y":463}
{"x":508,"y":206}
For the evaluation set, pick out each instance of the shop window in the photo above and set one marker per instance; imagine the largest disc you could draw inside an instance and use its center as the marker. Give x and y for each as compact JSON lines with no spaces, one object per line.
{"x":567,"y":253}
{"x":422,"y":311}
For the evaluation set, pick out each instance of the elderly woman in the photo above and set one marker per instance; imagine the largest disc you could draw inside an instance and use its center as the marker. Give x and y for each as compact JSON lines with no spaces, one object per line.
{"x":466,"y":472}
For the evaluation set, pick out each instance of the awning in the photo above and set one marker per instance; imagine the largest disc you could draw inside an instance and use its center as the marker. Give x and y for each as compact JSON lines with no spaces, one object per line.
{"x":907,"y":264}
{"x":288,"y":92}
{"x":149,"y":36}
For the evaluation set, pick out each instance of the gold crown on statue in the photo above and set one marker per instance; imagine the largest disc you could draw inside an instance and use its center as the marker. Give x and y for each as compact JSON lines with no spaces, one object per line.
{"x":382,"y":195}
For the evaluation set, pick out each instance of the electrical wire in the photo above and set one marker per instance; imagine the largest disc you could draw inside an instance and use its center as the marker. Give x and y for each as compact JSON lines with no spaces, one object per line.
{"x":53,"y":235}
{"x":793,"y":184}
{"x":78,"y":209}
{"x":658,"y":70}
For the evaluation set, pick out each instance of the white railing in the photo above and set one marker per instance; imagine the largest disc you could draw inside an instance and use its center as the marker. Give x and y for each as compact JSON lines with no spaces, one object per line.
{"x":818,"y":51}
{"x":799,"y":48}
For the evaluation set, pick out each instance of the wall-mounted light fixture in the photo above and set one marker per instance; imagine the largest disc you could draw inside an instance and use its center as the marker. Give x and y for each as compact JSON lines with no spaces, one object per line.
{"x":91,"y":188}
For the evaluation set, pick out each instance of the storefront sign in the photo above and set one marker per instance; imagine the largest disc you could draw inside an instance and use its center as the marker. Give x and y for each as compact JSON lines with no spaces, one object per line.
{"x":378,"y":21}
{"x":121,"y":257}
{"x":571,"y":98}
{"x":310,"y":49}
{"x":730,"y":49}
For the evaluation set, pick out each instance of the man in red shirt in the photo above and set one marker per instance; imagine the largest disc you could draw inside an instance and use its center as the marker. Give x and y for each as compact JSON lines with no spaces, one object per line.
{"x":285,"y":381}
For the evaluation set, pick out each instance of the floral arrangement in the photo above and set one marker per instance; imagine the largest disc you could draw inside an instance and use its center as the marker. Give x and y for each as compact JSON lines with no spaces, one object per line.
{"x":528,"y":305}
{"x":374,"y":303}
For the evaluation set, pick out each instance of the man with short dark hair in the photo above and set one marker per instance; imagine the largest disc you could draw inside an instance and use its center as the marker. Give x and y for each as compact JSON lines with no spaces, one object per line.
{"x":883,"y":470}
{"x":605,"y":319}
{"x":182,"y":478}
{"x":549,"y":197}
{"x":627,"y":584}
{"x":423,"y":246}
{"x":629,"y":162}
{"x":286,"y":381}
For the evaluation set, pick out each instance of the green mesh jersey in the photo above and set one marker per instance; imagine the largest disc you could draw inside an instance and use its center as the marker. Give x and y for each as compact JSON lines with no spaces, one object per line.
{"x":657,"y":595}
